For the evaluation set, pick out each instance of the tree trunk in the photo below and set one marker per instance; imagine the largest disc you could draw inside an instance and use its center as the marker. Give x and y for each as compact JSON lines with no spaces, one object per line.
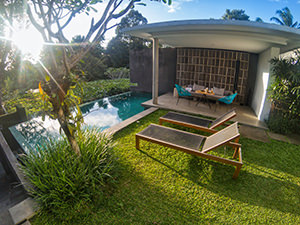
{"x":1,"y":106}
{"x":71,"y":137}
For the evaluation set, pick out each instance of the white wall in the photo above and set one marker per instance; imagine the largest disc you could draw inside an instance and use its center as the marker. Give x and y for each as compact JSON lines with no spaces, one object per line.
{"x":260,"y":103}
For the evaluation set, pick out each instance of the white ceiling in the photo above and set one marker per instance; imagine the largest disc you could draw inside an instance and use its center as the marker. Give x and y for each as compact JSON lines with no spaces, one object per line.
{"x":220,"y":34}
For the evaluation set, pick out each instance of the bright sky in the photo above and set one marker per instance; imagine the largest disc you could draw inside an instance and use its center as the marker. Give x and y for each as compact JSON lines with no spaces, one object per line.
{"x":198,"y":9}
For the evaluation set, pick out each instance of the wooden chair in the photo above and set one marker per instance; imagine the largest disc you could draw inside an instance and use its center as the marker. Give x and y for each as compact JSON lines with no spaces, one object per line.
{"x":196,"y":144}
{"x":196,"y":122}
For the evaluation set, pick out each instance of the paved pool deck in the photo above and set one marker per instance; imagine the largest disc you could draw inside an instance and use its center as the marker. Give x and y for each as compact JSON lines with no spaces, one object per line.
{"x":249,"y":124}
{"x":245,"y":114}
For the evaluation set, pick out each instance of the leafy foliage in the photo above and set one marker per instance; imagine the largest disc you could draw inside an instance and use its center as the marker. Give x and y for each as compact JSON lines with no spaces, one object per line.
{"x":235,"y":14}
{"x":258,"y":19}
{"x":10,"y":12}
{"x":133,"y":18}
{"x":118,"y":53}
{"x":93,"y":64}
{"x":119,"y":46}
{"x":283,"y":123}
{"x":285,"y":94}
{"x":91,"y":90}
{"x":285,"y":18}
{"x":61,"y":180}
{"x":117,"y":73}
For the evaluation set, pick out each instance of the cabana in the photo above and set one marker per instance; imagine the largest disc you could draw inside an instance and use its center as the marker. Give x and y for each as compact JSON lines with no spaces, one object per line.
{"x":228,"y":54}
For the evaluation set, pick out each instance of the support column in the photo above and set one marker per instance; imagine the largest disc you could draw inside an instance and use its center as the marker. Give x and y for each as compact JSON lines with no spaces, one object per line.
{"x":260,"y":104}
{"x":155,"y":73}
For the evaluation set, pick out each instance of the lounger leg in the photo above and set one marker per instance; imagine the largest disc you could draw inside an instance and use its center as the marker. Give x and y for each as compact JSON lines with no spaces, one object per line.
{"x":237,"y":171}
{"x":160,"y":122}
{"x":137,"y":143}
{"x":235,"y":153}
{"x":236,"y":149}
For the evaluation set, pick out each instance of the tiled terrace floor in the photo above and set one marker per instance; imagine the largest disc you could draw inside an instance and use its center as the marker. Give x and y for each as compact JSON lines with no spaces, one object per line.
{"x":245,"y":114}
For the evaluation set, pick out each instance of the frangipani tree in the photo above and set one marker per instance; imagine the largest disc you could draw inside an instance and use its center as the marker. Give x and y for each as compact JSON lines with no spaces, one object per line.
{"x":51,"y":18}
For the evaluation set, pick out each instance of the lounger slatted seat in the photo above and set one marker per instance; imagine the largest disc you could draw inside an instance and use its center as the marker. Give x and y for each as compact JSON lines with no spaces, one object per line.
{"x":196,"y":144}
{"x":196,"y":122}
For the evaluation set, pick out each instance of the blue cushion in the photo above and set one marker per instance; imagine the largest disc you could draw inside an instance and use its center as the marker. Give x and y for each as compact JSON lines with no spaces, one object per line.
{"x":181,"y":91}
{"x":228,"y":99}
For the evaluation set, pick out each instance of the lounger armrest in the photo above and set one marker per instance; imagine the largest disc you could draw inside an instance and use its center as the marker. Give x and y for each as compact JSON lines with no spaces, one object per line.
{"x":233,"y":144}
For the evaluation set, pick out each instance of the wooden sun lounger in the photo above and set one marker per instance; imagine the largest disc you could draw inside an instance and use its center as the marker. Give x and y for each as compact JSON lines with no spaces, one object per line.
{"x":196,"y":122}
{"x":196,"y":144}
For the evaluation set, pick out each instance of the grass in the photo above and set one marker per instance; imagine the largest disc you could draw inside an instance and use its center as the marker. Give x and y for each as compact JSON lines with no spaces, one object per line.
{"x":91,"y":91}
{"x":158,"y":185}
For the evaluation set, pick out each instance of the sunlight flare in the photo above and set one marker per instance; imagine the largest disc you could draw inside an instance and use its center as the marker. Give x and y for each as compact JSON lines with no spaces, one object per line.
{"x":29,"y":42}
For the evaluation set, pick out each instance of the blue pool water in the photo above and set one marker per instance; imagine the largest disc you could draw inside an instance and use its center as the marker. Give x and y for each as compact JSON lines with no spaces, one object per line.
{"x":102,"y":113}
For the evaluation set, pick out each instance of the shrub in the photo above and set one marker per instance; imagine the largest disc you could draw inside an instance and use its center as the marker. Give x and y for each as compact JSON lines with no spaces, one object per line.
{"x":62,"y":180}
{"x":117,"y":73}
{"x":283,"y":123}
{"x":91,"y":91}
{"x":285,"y":94}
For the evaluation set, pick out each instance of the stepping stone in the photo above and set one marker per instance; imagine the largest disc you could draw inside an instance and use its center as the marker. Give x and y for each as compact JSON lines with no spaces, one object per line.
{"x":292,"y":138}
{"x":23,"y":211}
{"x":254,"y":133}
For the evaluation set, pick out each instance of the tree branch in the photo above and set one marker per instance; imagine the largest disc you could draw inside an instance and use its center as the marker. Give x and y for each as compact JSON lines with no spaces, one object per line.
{"x":74,"y":13}
{"x":35,"y":24}
{"x":102,"y":19}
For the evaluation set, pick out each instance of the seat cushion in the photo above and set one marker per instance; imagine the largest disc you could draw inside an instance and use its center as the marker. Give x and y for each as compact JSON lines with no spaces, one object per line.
{"x":197,"y":87}
{"x":219,"y":91}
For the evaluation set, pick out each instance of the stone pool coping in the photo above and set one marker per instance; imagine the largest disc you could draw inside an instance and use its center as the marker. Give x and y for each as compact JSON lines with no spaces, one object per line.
{"x":112,"y":130}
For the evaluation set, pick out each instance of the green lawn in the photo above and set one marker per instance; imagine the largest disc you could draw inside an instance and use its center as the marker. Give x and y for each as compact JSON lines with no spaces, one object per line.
{"x":163,"y":186}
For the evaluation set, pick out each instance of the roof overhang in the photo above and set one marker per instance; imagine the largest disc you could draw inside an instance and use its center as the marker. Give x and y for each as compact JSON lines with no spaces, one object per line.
{"x":245,"y":36}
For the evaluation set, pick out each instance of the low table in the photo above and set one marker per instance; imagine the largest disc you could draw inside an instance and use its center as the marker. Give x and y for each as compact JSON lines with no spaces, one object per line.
{"x":206,"y":96}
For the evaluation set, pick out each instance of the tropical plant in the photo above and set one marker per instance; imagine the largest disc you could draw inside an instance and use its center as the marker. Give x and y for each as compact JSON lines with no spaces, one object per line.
{"x":117,"y":73}
{"x":285,"y":18}
{"x":285,"y":93}
{"x":258,"y":19}
{"x":61,"y":180}
{"x":10,"y":11}
{"x":93,"y":64}
{"x":118,"y":53}
{"x":119,"y":46}
{"x":51,"y":18}
{"x":235,"y":14}
{"x":92,"y":90}
{"x":133,"y":18}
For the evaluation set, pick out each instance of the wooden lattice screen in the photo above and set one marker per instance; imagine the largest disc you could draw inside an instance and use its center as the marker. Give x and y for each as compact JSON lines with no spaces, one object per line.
{"x":213,"y":68}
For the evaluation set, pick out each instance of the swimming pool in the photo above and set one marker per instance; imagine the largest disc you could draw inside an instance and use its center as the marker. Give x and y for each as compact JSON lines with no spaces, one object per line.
{"x":102,"y":113}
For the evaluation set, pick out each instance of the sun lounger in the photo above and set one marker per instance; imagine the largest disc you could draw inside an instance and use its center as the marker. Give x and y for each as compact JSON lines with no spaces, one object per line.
{"x":196,"y":122}
{"x":195,"y":144}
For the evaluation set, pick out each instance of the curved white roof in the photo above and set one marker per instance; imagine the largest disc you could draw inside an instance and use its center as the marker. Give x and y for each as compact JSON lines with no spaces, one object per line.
{"x":246,"y":36}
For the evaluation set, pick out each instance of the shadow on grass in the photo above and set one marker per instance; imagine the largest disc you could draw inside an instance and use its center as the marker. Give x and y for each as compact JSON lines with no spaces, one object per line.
{"x":276,"y":155}
{"x":267,"y":190}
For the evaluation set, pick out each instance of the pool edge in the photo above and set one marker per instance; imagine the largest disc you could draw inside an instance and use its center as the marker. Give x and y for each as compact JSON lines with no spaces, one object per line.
{"x":114,"y":129}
